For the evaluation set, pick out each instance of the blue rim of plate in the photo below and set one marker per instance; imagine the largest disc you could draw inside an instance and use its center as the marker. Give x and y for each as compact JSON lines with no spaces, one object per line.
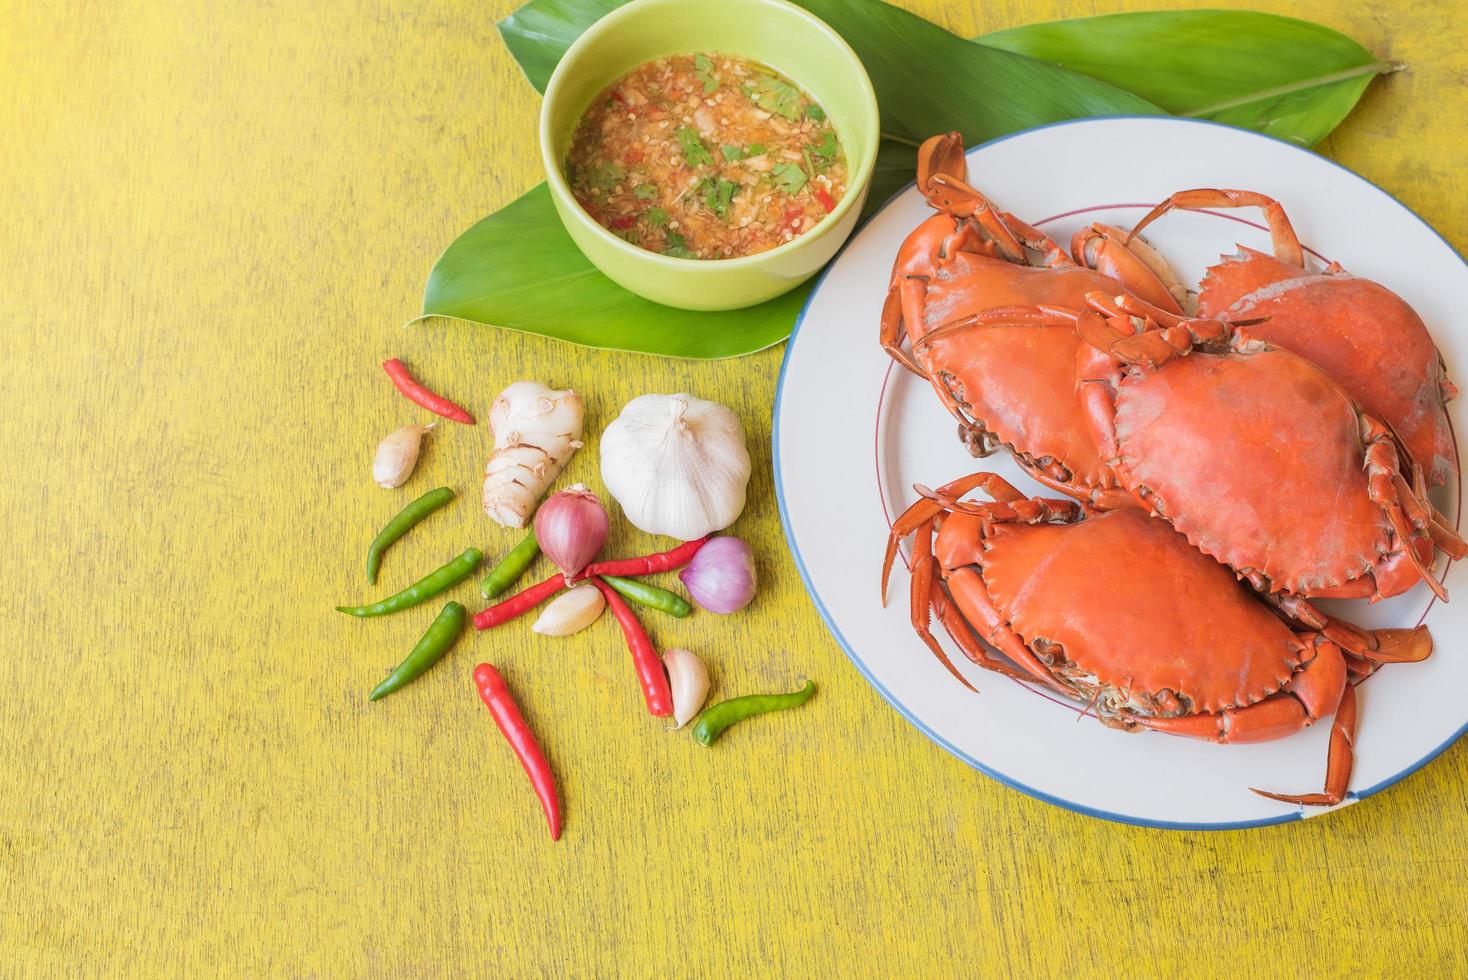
{"x":1355,"y":796}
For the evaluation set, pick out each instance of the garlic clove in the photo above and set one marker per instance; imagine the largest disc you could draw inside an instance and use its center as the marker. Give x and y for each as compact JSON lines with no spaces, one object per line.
{"x":397,"y":455}
{"x":689,"y":680}
{"x":571,"y":612}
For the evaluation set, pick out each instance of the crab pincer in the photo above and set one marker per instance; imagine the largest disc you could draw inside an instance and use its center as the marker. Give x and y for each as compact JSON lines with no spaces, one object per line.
{"x":959,"y":286}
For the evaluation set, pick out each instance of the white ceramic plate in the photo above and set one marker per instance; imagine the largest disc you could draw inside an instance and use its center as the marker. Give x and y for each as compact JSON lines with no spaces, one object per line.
{"x":852,"y":435}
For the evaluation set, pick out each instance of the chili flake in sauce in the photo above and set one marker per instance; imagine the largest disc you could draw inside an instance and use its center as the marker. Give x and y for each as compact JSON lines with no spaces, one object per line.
{"x":706,"y":156}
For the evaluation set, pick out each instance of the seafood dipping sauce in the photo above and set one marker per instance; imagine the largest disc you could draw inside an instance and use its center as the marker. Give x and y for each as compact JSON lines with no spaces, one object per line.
{"x":706,"y":156}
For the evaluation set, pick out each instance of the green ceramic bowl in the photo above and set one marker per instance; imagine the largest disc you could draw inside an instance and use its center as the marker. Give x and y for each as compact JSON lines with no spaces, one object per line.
{"x":771,"y":32}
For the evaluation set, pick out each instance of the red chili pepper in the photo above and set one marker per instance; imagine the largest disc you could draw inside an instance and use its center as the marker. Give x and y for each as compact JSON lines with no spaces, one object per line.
{"x":520,"y":603}
{"x":663,"y":561}
{"x":792,"y":218}
{"x":634,"y":155}
{"x":416,"y":393}
{"x":506,"y":714}
{"x":827,"y":201}
{"x":655,"y":689}
{"x":626,"y":221}
{"x":618,"y":97}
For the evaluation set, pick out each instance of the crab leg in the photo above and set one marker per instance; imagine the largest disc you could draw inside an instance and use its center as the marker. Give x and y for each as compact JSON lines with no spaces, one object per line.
{"x":1020,"y":509}
{"x":1339,"y":760}
{"x":907,"y":293}
{"x":923,"y":584}
{"x":1123,"y":304}
{"x":1281,"y":232}
{"x":1000,"y":489}
{"x":1163,"y":334}
{"x":1319,"y":688}
{"x":961,"y":199}
{"x":1130,"y":261}
{"x":1383,"y":646}
{"x":924,"y":510}
{"x":891,"y":335}
{"x":1391,"y":492}
{"x":1035,"y":240}
{"x":1101,"y":498}
{"x":1029,"y":315}
{"x":1446,"y":538}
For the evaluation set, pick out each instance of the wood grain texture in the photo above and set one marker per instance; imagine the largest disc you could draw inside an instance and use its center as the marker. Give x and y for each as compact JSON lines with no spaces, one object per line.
{"x":217,"y":218}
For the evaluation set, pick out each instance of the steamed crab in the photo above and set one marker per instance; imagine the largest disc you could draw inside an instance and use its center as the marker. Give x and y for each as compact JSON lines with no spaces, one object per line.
{"x":1166,"y":640}
{"x":1359,"y":332}
{"x":1256,"y":455}
{"x":1010,"y":381}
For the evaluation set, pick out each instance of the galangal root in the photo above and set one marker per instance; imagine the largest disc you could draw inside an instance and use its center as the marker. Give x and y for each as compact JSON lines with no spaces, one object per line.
{"x":536,"y":431}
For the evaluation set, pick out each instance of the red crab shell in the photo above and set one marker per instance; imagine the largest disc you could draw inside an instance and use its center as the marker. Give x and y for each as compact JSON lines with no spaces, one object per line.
{"x":1016,"y":379}
{"x":1255,"y":503}
{"x":1258,"y":457}
{"x":1359,"y":332}
{"x":1173,"y":632}
{"x":1362,"y":334}
{"x":1009,"y":381}
{"x":1115,"y":608}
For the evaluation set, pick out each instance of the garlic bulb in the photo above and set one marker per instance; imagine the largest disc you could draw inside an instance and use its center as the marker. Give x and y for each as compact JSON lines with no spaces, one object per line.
{"x":677,"y":465}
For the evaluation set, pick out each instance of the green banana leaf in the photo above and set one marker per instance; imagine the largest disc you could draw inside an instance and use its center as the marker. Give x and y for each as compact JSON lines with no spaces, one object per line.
{"x":540,"y":32}
{"x":1284,"y":77}
{"x":518,"y":268}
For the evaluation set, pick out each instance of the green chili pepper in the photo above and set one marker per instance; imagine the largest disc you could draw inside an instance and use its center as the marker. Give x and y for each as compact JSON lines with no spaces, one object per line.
{"x":713,"y":721}
{"x":435,"y":643}
{"x":439,"y":580}
{"x":401,"y":524}
{"x":510,"y":568}
{"x":650,"y":596}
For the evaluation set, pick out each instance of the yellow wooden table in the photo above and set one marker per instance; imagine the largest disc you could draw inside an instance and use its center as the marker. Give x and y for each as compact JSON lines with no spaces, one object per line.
{"x":217,"y":217}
